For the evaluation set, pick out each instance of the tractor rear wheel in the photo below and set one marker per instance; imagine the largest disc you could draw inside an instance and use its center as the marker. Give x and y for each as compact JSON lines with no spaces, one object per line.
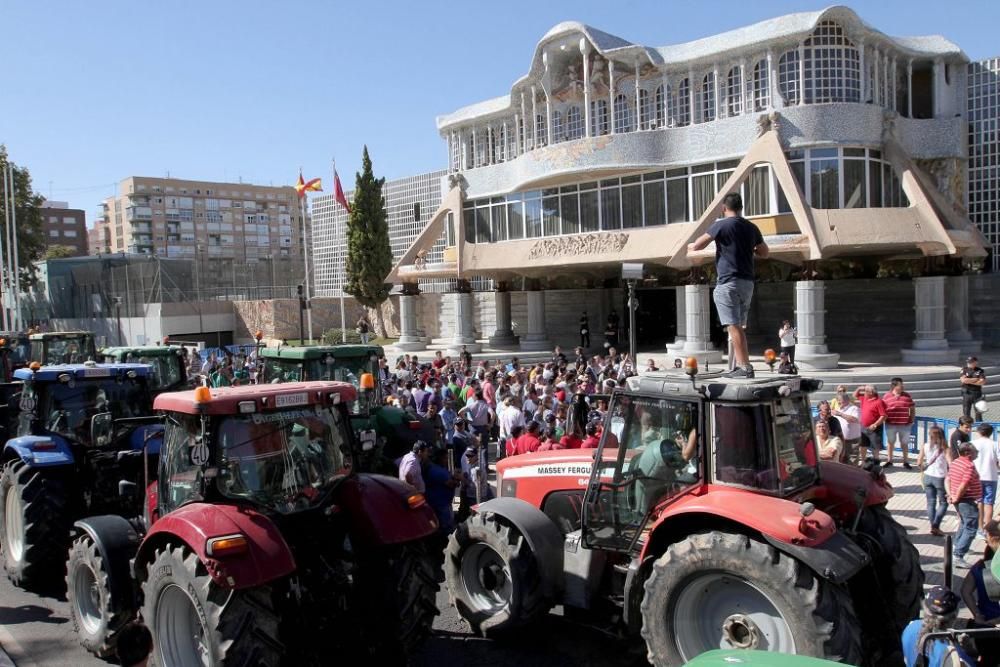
{"x":34,"y":525}
{"x":396,"y":592}
{"x":493,"y":577}
{"x":196,"y":622}
{"x":89,"y":597}
{"x":722,"y":590}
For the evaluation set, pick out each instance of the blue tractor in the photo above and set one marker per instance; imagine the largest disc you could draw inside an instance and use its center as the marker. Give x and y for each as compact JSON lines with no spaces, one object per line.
{"x":80,"y":439}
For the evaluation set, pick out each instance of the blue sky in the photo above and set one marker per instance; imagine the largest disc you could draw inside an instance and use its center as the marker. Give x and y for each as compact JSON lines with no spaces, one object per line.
{"x":92,"y":92}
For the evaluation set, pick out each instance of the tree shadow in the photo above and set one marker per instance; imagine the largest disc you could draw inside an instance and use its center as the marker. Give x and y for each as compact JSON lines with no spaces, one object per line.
{"x":29,"y":613}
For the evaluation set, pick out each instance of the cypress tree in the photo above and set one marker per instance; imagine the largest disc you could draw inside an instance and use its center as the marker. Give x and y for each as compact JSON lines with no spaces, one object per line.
{"x":369,"y":255}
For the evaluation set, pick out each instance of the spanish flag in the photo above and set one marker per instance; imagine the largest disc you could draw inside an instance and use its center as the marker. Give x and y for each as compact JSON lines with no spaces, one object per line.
{"x":303,"y":186}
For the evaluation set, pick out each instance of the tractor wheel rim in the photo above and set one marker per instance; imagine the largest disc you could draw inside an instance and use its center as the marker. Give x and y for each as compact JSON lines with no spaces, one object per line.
{"x":15,"y":525}
{"x":180,"y":634}
{"x":718,"y":610}
{"x":486,"y":576}
{"x":87,"y":597}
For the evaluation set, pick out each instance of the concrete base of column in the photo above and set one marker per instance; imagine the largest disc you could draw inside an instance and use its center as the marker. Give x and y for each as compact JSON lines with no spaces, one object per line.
{"x":535,"y":343}
{"x":455,"y":349}
{"x":822,"y":361}
{"x":676,"y":346}
{"x":703,"y":351}
{"x":504,"y":341}
{"x":941,"y":353}
{"x":964,"y":343}
{"x":410,"y":344}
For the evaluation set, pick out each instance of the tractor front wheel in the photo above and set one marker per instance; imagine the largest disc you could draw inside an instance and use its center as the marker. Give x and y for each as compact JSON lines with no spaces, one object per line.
{"x":196,"y":622}
{"x":34,"y":525}
{"x":89,"y":597}
{"x":722,"y":590}
{"x":493,"y":577}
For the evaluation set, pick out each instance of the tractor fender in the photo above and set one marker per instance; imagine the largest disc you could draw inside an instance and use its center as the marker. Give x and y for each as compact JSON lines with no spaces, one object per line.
{"x":377,"y":511}
{"x":39,"y":451}
{"x":841,"y":486}
{"x":541,"y":534}
{"x":117,"y":542}
{"x":267,"y":557}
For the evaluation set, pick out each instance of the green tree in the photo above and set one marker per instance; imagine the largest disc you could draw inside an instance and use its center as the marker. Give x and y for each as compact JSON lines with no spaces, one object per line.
{"x":369,"y":256}
{"x":58,"y":252}
{"x":30,"y":239}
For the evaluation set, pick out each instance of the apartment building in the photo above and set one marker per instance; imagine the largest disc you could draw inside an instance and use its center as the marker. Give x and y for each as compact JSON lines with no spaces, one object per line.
{"x":64,"y":226}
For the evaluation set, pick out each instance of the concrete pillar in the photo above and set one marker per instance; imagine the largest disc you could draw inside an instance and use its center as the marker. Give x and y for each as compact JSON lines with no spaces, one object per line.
{"x":536,"y":338}
{"x":464,"y":334}
{"x":957,"y":316}
{"x":930,"y":345}
{"x":678,"y":345}
{"x":810,"y":318}
{"x":697,"y":342}
{"x":410,"y":339}
{"x":585,"y":51}
{"x":862,"y":72}
{"x":504,"y":334}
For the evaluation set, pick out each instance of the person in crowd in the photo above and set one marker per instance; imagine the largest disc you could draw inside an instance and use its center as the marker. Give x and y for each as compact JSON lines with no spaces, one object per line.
{"x":933,"y":463}
{"x":973,"y":379}
{"x":133,"y":644}
{"x":963,"y":433}
{"x":980,"y":593}
{"x":363,"y":328}
{"x":509,"y":417}
{"x":940,"y":613}
{"x":830,"y":446}
{"x":833,"y":424}
{"x":848,"y":414}
{"x":439,"y":360}
{"x":479,"y":414}
{"x":873,"y":415}
{"x":448,"y":417}
{"x":529,"y":440}
{"x":964,"y":492}
{"x":593,"y":439}
{"x":787,"y":336}
{"x":550,"y":441}
{"x":437,"y":424}
{"x":440,"y":490}
{"x":462,"y":439}
{"x":737,"y":242}
{"x":988,"y":467}
{"x":900,"y":412}
{"x":651,"y":365}
{"x":411,"y":465}
{"x":474,"y":486}
{"x":584,"y":330}
{"x":466,"y":357}
{"x":786,"y":366}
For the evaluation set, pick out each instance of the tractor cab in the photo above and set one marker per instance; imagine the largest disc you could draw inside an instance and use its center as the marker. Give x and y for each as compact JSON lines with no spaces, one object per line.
{"x":339,"y":363}
{"x":15,"y":352}
{"x":168,"y":370}
{"x":62,"y":347}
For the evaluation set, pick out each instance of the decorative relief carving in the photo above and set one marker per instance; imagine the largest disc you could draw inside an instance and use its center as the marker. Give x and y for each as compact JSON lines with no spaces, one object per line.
{"x":767,"y":122}
{"x":583,"y":244}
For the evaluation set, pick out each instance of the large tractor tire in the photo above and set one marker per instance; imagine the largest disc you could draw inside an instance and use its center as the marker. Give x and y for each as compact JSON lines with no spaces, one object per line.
{"x":396,"y":592}
{"x":89,"y":595}
{"x":34,"y":525}
{"x":493,"y":577}
{"x":196,"y":622}
{"x":722,"y":590}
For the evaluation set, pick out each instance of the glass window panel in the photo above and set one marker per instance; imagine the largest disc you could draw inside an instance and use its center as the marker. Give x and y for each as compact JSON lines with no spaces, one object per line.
{"x":569,"y":188}
{"x":854,"y":184}
{"x":630,"y":179}
{"x":611,"y":216}
{"x":677,"y":200}
{"x":875,"y":183}
{"x":609,"y":183}
{"x":824,"y":175}
{"x":854,"y":152}
{"x":469,"y":219}
{"x":632,"y":206}
{"x":588,"y":186}
{"x":515,"y":221}
{"x":872,"y":153}
{"x":758,"y":199}
{"x":727,"y":164}
{"x":653,"y":204}
{"x":550,"y":216}
{"x":702,"y":192}
{"x":702,"y":168}
{"x":570,"y":213}
{"x":653,"y":176}
{"x":822,"y":152}
{"x":533,"y":217}
{"x":483,"y":225}
{"x":798,"y":170}
{"x":721,"y":178}
{"x":589,"y":219}
{"x":498,"y":225}
{"x":672,"y":173}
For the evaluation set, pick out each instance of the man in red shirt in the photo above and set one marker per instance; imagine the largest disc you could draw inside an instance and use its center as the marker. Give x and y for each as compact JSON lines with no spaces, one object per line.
{"x":529,"y":441}
{"x":901,"y":412}
{"x":592,"y":439}
{"x":873,"y":415}
{"x":571,"y":441}
{"x":964,"y":491}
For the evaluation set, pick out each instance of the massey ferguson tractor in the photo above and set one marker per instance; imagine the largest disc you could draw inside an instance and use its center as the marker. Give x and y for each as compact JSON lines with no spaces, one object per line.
{"x":703,"y":520}
{"x":259,"y":543}
{"x":81,"y":430}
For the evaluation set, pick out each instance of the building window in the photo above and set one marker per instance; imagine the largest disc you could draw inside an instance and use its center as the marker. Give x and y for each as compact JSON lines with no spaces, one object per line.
{"x":501,"y":143}
{"x":623,"y":115}
{"x":734,"y":89}
{"x":661,"y":107}
{"x":54,"y":233}
{"x":647,"y":118}
{"x":540,"y":138}
{"x":677,"y":196}
{"x":761,"y":86}
{"x":598,"y":118}
{"x":855,"y":190}
{"x":708,"y":97}
{"x":682,"y":110}
{"x":832,"y":66}
{"x":788,"y":77}
{"x":574,"y":123}
{"x":558,"y":134}
{"x":757,"y":189}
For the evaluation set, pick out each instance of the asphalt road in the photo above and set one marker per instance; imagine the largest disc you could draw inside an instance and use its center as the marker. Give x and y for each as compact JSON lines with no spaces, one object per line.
{"x":36,"y":630}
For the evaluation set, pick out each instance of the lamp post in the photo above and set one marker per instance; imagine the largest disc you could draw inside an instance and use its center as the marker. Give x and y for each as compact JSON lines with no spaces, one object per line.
{"x":632,"y":273}
{"x":302,"y":309}
{"x":118,"y":316}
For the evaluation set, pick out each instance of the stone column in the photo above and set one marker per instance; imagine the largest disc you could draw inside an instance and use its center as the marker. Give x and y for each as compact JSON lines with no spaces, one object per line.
{"x":930,"y":345}
{"x":810,"y":318}
{"x":957,"y":316}
{"x":697,"y":342}
{"x":504,"y":334}
{"x":585,"y":51}
{"x":464,"y":334}
{"x":863,"y":72}
{"x":909,"y":88}
{"x":409,"y":336}
{"x":536,"y":338}
{"x":678,"y":345}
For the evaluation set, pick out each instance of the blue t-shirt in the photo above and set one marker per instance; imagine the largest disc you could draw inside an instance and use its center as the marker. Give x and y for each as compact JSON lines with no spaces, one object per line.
{"x":735,"y":239}
{"x":439,"y":494}
{"x":937,"y":650}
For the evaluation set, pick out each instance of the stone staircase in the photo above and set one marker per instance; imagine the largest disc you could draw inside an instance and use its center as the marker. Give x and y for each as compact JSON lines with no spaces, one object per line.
{"x":929,"y":385}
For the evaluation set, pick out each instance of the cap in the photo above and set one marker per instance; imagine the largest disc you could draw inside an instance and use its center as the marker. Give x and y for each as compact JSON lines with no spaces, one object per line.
{"x":940,"y":601}
{"x":460,"y":422}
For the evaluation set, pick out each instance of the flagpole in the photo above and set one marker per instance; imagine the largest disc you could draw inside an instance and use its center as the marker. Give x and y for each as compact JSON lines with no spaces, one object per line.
{"x":8,"y":296}
{"x":343,"y":259}
{"x":19,"y":324}
{"x":3,"y":282}
{"x":305,"y":259}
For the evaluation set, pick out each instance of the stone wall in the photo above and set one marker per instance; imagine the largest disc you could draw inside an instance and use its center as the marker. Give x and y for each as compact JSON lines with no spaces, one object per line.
{"x":279,"y":318}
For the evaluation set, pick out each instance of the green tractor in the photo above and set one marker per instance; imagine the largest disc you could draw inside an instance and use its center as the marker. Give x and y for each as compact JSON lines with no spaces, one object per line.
{"x":15,"y":352}
{"x":168,"y":362}
{"x":385,"y":432}
{"x":52,"y":348}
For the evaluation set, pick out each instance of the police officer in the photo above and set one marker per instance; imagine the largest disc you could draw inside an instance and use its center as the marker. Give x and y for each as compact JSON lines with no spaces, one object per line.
{"x":973,"y":378}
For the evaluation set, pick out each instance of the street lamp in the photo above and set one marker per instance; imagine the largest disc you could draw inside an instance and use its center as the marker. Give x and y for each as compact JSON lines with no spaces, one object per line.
{"x":118,"y":315}
{"x":302,"y":309}
{"x":632,"y":273}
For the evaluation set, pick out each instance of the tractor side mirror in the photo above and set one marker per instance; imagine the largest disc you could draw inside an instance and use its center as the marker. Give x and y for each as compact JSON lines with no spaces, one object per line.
{"x":101,"y":426}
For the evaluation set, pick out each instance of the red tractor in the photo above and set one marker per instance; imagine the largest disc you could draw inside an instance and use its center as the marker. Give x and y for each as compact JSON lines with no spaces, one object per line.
{"x":704,"y":520}
{"x":259,"y":544}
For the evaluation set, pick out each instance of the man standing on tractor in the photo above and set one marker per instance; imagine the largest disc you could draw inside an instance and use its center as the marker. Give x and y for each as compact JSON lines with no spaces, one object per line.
{"x":737,"y":242}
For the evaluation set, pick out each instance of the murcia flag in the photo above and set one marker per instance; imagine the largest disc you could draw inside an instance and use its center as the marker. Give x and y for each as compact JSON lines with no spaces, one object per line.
{"x":338,"y":192}
{"x":302,"y":186}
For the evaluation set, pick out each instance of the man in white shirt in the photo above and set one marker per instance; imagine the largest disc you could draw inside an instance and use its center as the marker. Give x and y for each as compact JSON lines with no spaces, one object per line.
{"x":411,"y":465}
{"x":987,"y":466}
{"x":510,"y":416}
{"x":848,"y":414}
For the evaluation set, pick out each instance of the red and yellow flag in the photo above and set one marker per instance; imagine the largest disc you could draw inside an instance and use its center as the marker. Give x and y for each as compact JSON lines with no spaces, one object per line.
{"x":303,"y":186}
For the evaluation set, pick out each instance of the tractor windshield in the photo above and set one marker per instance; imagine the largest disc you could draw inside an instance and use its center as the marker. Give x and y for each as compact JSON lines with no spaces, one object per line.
{"x":283,"y":370}
{"x":67,"y":409}
{"x":63,"y":350}
{"x":326,"y":367}
{"x":282,"y":460}
{"x":166,"y":370}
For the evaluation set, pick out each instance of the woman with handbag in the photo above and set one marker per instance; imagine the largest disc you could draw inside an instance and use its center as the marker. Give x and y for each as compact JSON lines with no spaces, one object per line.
{"x":933,"y":464}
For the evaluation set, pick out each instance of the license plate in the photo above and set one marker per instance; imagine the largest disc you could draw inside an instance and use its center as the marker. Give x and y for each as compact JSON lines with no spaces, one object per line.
{"x":286,"y":400}
{"x":96,"y":373}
